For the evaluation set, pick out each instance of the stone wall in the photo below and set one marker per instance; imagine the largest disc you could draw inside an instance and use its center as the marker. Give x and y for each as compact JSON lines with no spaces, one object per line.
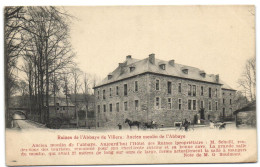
{"x":113,"y":118}
{"x":226,"y":106}
{"x":166,"y":116}
{"x":146,"y":95}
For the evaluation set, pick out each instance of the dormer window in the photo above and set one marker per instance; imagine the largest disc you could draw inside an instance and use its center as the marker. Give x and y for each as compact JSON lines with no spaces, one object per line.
{"x":203,"y":74}
{"x":109,"y":76}
{"x":162,"y":66}
{"x":132,"y":69}
{"x":185,"y":70}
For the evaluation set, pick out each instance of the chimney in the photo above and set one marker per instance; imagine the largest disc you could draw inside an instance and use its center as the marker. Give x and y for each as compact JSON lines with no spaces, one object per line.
{"x":217,"y":78}
{"x":171,"y":62}
{"x":121,"y":66}
{"x":152,"y":58}
{"x":128,"y":57}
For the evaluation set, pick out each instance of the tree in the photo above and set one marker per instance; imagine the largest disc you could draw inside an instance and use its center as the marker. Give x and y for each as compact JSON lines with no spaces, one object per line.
{"x":240,"y":100}
{"x":248,"y":79}
{"x":13,"y":45}
{"x":76,"y":85}
{"x":46,"y":30}
{"x":65,"y":78}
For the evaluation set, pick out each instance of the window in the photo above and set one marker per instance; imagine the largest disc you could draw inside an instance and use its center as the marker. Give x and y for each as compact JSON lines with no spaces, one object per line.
{"x":189,"y":90}
{"x":125,"y":106}
{"x":179,"y":87}
{"x":110,"y":92}
{"x":57,"y":104}
{"x":216,"y":93}
{"x":223,"y":101}
{"x":104,"y":108}
{"x":63,"y":108}
{"x":57,"y":108}
{"x":109,"y":77}
{"x":194,"y":90}
{"x":98,"y":108}
{"x":185,"y":71}
{"x":110,"y":107}
{"x":201,"y":91}
{"x":125,"y":89}
{"x":209,"y":92}
{"x":216,"y":103}
{"x":136,"y":86}
{"x":104,"y":94}
{"x":169,"y":106}
{"x":98,"y":94}
{"x":210,"y":107}
{"x":201,"y":104}
{"x":157,"y":102}
{"x":194,"y":105}
{"x":189,"y":104}
{"x":136,"y":104}
{"x":230,"y":101}
{"x":117,"y":90}
{"x":132,"y":69}
{"x":157,"y":85}
{"x":117,"y":107}
{"x":169,"y":85}
{"x":162,"y":66}
{"x":179,"y":102}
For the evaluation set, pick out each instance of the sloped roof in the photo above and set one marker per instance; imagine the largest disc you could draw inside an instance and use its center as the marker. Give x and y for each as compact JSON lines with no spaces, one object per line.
{"x":143,"y":66}
{"x":249,"y":107}
{"x":61,"y":101}
{"x":176,"y":70}
{"x":82,"y":98}
{"x":119,"y":73}
{"x":226,"y":86}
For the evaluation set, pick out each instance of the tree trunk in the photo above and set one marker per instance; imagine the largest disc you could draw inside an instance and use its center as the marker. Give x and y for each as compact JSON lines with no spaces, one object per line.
{"x":47,"y":82}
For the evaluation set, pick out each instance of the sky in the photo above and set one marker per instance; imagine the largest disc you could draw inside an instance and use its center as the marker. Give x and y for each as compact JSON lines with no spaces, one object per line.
{"x":216,"y":39}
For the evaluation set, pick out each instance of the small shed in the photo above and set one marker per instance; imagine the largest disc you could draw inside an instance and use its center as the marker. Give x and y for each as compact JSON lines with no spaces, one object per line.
{"x":246,"y":116}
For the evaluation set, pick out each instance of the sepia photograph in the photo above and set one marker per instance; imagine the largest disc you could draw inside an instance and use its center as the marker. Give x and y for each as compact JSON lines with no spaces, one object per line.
{"x":130,"y":84}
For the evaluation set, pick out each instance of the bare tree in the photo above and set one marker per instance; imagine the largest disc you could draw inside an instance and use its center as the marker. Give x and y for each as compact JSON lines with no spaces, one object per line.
{"x":95,"y":80}
{"x":66,"y":86}
{"x":13,"y":44}
{"x":240,"y":100}
{"x":76,"y":85}
{"x":46,"y":29}
{"x":248,"y":79}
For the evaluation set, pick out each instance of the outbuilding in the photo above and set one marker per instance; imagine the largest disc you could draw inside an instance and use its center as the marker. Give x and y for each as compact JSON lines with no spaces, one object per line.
{"x":246,"y":116}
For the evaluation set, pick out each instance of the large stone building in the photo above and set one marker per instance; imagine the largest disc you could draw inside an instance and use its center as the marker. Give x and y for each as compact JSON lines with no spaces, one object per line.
{"x":162,"y":91}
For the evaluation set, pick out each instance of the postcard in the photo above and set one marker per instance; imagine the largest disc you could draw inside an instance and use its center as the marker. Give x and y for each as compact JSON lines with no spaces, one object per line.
{"x":100,"y":85}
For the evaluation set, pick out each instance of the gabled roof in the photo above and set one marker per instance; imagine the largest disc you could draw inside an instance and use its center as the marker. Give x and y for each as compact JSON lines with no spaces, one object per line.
{"x":144,"y":66}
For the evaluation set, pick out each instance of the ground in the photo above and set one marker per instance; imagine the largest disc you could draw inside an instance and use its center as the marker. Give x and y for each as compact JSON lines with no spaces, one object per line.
{"x":20,"y":122}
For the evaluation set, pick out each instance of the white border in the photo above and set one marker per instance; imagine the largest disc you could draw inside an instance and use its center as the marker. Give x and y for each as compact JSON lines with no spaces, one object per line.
{"x":115,"y":3}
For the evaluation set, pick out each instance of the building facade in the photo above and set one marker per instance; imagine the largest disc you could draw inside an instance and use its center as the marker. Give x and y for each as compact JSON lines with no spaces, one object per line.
{"x":161,"y":91}
{"x":60,"y":107}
